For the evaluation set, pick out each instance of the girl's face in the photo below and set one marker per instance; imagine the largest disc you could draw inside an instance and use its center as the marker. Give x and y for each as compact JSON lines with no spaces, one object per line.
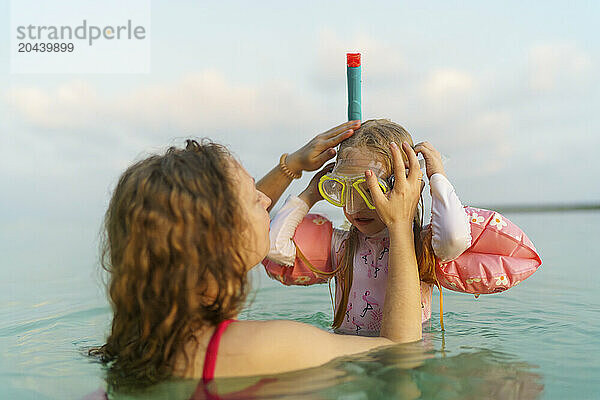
{"x":254,"y":204}
{"x":355,"y":161}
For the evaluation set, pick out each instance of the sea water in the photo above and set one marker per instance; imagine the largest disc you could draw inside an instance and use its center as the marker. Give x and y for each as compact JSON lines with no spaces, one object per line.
{"x":540,"y":339}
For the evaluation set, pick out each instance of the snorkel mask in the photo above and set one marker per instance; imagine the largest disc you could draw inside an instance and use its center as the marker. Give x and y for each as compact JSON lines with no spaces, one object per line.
{"x":346,"y":186}
{"x":351,"y":192}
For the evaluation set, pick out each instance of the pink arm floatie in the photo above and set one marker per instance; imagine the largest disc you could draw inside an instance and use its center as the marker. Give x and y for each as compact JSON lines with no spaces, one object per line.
{"x":313,"y":254}
{"x":500,"y":256}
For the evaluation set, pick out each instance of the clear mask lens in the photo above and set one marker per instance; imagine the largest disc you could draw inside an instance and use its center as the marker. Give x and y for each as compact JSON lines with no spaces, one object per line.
{"x":333,"y":191}
{"x":364,"y":188}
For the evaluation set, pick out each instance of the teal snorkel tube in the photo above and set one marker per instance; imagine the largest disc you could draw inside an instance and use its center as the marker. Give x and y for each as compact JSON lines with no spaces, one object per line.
{"x":353,"y":73}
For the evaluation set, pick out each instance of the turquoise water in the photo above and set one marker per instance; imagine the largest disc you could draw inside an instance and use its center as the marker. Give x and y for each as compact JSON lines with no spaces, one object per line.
{"x":538,"y":340}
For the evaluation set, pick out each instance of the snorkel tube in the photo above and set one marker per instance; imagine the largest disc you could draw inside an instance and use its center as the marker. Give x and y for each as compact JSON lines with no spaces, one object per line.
{"x":353,"y":73}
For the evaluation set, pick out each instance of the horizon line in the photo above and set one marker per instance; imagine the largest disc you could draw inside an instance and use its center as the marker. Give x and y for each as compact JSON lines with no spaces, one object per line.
{"x":552,"y":207}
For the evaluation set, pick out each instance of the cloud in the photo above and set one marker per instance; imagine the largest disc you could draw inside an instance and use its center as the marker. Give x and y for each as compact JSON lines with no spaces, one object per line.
{"x":447,"y":85}
{"x":205,"y":100}
{"x":71,"y":105}
{"x":448,"y":94}
{"x":557,"y":66}
{"x":482,"y":145}
{"x":491,"y":119}
{"x":80,"y":132}
{"x":383,"y":63}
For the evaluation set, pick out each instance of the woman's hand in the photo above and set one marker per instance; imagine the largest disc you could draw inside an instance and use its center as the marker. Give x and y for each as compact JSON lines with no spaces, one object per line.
{"x":311,"y":194}
{"x":321,"y":148}
{"x":433,"y":159}
{"x":310,"y":157}
{"x":400,"y":205}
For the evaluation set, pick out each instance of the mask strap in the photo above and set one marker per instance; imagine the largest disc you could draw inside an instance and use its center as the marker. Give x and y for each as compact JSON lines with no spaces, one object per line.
{"x":315,"y":270}
{"x":441,"y":305}
{"x":312,"y":267}
{"x":331,"y":295}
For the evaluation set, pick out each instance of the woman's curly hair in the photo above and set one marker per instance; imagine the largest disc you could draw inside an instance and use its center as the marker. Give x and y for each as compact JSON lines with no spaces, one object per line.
{"x":171,"y":248}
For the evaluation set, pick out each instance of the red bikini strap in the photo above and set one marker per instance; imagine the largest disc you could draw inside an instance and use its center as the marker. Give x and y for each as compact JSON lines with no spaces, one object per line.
{"x":210,"y":361}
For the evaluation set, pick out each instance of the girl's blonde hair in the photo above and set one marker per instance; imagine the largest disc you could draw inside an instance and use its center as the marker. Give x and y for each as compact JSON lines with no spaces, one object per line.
{"x":375,"y":136}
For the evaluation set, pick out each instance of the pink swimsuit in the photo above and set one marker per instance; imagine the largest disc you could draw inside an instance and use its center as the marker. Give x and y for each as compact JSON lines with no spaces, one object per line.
{"x":208,"y":373}
{"x":210,"y":362}
{"x":367,"y":294}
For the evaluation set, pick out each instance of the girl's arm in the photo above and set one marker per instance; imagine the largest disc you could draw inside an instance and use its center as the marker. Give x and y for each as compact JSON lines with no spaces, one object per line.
{"x":451,"y":232}
{"x":308,"y":158}
{"x":403,"y":290}
{"x":283,"y":226}
{"x":285,"y":222}
{"x":402,"y":306}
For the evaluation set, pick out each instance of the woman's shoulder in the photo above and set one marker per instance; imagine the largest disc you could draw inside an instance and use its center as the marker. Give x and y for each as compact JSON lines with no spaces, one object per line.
{"x":253,"y":348}
{"x":256,"y":347}
{"x":258,"y":334}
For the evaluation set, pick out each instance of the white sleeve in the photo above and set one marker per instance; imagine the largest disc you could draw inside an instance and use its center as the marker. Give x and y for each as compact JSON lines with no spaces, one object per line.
{"x":451,"y":231}
{"x":283,"y":227}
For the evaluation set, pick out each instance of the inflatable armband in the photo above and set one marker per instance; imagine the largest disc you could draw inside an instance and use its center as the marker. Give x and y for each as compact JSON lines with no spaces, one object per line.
{"x":500,"y":256}
{"x":313,"y":242}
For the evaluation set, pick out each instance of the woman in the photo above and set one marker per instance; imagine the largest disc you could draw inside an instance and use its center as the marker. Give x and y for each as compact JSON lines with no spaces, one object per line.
{"x":183,"y":230}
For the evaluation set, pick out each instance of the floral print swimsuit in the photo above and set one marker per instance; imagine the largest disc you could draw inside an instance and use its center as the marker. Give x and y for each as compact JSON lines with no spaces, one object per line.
{"x":365,"y":303}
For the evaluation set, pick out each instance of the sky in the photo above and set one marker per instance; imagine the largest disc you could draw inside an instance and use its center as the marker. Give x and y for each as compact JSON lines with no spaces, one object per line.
{"x":509,"y":92}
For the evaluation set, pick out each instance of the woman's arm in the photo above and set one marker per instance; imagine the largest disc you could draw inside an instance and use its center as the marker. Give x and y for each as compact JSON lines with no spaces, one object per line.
{"x":309,"y":157}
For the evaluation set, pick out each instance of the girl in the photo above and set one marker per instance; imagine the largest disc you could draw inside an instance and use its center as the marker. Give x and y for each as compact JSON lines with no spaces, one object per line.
{"x":360,"y":257}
